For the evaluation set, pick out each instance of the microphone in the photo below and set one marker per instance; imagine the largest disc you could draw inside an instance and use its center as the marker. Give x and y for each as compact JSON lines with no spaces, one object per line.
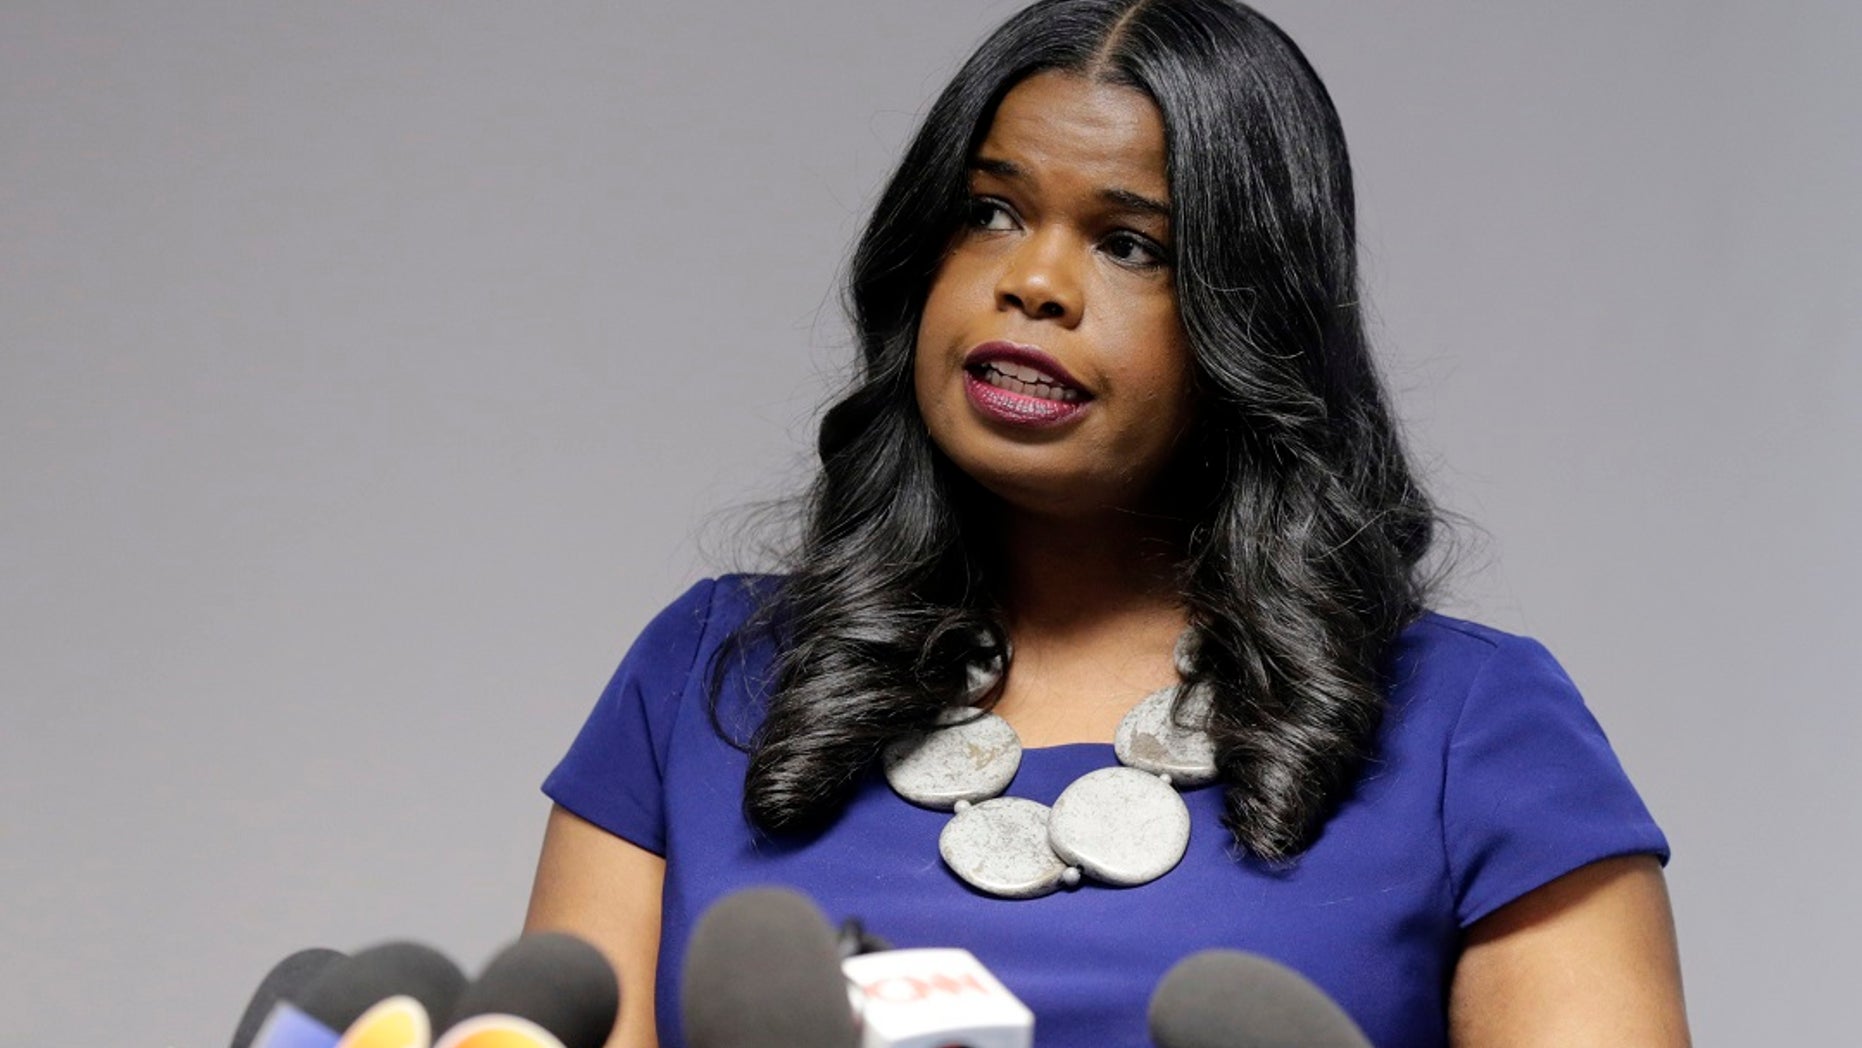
{"x":546,"y":990}
{"x":1231,"y":999}
{"x":934,"y":998}
{"x":383,"y":997}
{"x":289,"y":1026}
{"x":288,"y":978}
{"x":763,"y":971}
{"x":853,"y":939}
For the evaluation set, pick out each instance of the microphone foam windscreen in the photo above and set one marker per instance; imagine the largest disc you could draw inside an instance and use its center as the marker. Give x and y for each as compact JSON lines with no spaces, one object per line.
{"x":1230,"y":999}
{"x":348,"y":988}
{"x":556,"y":981}
{"x":762,"y":971}
{"x":287,"y":980}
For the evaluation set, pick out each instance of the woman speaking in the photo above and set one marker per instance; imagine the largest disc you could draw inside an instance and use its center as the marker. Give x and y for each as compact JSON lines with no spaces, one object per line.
{"x":1115,"y":505}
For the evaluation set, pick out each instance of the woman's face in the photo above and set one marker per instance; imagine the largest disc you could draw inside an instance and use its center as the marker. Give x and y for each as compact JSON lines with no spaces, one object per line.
{"x":1052,"y":365}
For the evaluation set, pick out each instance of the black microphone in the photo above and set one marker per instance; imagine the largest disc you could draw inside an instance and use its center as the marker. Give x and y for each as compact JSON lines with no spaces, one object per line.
{"x":546,"y":990}
{"x":763,"y":971}
{"x":853,"y":939}
{"x":287,"y":979}
{"x":1231,"y":999}
{"x":394,"y":986}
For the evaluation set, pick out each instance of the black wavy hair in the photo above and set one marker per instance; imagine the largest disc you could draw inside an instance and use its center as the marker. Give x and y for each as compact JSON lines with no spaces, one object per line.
{"x":1306,"y":525}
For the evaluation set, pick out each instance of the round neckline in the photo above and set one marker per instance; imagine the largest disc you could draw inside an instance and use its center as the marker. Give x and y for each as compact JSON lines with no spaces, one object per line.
{"x":1059,"y":746}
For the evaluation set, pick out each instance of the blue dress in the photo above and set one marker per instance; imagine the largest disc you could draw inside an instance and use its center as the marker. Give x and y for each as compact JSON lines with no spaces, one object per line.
{"x":1491,"y":779}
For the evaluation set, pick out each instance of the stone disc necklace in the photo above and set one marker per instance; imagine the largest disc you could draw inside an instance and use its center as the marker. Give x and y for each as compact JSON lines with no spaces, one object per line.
{"x":1122,"y":826}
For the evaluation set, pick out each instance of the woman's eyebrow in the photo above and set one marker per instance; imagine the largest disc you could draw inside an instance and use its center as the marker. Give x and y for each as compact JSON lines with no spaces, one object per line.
{"x":1137,"y":202}
{"x":1123,"y":199}
{"x":990,"y":165}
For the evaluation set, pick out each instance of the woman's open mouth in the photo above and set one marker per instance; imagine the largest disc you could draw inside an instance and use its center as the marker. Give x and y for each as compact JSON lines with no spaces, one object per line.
{"x":1020,"y":385}
{"x":1029,"y":382}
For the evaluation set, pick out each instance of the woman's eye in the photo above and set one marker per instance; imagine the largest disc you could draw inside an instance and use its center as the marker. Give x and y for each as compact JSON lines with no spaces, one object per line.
{"x":1135,"y":251}
{"x":990,"y":214}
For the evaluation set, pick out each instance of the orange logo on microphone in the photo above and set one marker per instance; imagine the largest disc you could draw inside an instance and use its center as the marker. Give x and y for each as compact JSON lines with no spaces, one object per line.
{"x":398,"y":1022}
{"x":498,"y":1031}
{"x":903,"y":989}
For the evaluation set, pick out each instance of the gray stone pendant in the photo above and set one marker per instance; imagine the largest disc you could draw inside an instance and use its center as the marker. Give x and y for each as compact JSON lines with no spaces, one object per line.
{"x":971,"y":756}
{"x":1155,"y":738}
{"x":1120,"y":825}
{"x":1001,"y":847}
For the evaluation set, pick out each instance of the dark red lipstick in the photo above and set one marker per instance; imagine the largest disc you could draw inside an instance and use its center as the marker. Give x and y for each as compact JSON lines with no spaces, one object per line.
{"x":1021,"y":385}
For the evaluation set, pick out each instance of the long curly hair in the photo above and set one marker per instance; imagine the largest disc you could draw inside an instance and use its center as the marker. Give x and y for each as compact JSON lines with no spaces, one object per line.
{"x":1305,"y":523}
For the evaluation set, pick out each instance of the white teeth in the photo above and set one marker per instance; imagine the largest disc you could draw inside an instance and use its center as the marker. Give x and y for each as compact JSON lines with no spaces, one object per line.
{"x":1021,"y":372}
{"x":994,"y":374}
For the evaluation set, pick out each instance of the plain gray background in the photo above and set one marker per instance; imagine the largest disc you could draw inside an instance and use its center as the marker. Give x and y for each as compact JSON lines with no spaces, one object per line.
{"x":369,"y":370}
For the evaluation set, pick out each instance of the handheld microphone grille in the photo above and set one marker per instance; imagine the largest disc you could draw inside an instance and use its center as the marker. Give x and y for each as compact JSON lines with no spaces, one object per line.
{"x":286,"y":981}
{"x":385,"y":996}
{"x":1231,"y":999}
{"x":763,"y":971}
{"x":546,"y":990}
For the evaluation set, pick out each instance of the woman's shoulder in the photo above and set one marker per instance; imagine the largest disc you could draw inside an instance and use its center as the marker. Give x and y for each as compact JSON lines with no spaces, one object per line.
{"x":1442,"y":645}
{"x":1457,"y":668}
{"x":670,"y":652}
{"x":1529,"y":786}
{"x":715,"y":606}
{"x":654,"y":705}
{"x":1445,"y":634}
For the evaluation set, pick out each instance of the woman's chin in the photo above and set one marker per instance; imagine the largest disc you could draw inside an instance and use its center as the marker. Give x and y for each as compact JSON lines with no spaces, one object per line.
{"x":1052,"y":495}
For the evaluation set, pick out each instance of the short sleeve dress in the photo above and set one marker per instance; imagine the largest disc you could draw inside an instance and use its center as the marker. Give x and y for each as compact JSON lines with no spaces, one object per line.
{"x":1491,"y":779}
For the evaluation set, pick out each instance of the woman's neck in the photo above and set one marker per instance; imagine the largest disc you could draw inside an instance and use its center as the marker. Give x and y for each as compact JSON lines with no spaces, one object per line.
{"x":1093,"y":610}
{"x":1069,"y":577}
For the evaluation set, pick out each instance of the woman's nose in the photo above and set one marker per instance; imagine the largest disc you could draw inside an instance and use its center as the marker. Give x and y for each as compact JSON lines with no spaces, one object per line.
{"x":1039,"y":280}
